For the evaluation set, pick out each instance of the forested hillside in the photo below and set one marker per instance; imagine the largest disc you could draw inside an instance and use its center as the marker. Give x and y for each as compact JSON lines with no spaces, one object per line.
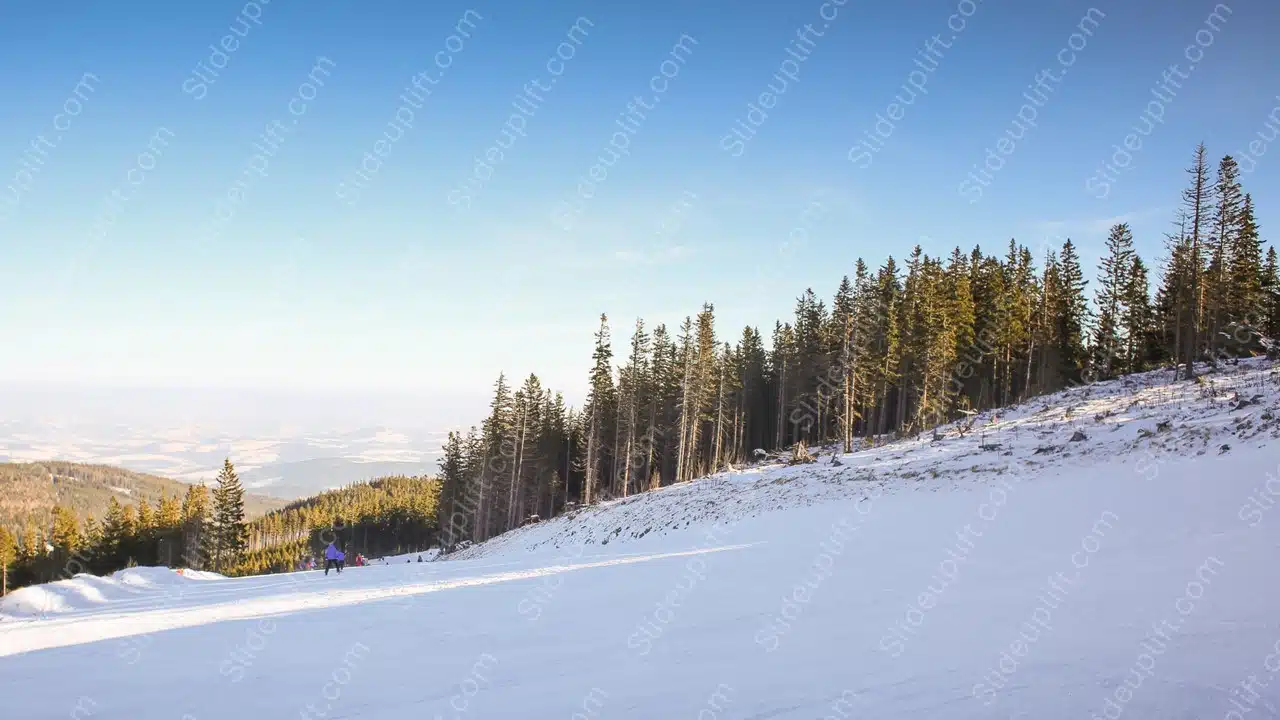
{"x":383,"y":516}
{"x":210,"y":529}
{"x":28,"y":491}
{"x":899,"y":349}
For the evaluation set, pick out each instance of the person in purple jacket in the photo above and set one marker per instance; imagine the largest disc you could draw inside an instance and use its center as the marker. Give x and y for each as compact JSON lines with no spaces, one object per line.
{"x":333,"y":557}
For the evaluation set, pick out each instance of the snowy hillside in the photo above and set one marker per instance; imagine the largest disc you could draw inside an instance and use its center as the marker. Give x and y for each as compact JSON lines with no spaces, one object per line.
{"x":1011,"y":573}
{"x":1143,"y":416}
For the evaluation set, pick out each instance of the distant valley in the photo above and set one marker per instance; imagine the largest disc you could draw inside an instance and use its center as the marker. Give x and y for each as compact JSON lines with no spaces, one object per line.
{"x":283,"y":463}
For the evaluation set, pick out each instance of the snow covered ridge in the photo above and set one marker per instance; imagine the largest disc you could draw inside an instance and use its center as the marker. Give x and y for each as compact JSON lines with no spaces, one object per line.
{"x":86,"y":592}
{"x":1145,"y":416}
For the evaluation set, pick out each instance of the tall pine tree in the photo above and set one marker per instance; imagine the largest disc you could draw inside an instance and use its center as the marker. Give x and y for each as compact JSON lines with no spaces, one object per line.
{"x":1114,"y":276}
{"x":230,"y":535}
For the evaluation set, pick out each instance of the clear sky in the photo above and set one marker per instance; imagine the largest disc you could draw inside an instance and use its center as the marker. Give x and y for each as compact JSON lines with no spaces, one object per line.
{"x":193,"y":215}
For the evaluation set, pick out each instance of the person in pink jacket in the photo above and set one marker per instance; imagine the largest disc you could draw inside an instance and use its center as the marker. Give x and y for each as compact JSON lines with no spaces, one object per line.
{"x":333,"y":557}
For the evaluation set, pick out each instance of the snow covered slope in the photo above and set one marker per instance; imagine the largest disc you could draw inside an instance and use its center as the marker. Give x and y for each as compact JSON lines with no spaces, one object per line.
{"x":1130,"y":574}
{"x":88,"y":591}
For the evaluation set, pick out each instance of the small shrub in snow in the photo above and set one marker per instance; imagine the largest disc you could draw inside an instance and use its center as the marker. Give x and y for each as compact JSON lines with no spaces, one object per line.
{"x":800,"y":455}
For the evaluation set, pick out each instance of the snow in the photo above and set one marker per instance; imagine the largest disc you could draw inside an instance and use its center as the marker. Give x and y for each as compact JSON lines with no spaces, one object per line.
{"x":84,"y":592}
{"x":407,"y":557}
{"x":1131,"y":574}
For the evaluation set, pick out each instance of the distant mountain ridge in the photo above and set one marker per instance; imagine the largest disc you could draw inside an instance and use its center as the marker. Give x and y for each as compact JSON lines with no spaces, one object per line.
{"x":304,"y":478}
{"x":285,"y":462}
{"x":28,"y":491}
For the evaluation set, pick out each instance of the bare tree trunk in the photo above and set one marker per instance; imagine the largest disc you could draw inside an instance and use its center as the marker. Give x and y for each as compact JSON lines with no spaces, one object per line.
{"x":900,"y":418}
{"x":1031,"y":351}
{"x":718,"y":443}
{"x":651,"y":441}
{"x":617,"y":422}
{"x":589,"y":473}
{"x":739,"y":433}
{"x":684,"y":423}
{"x":568,"y":468}
{"x":517,"y":472}
{"x":1197,"y":200}
{"x":782,"y":405}
{"x":846,"y":361}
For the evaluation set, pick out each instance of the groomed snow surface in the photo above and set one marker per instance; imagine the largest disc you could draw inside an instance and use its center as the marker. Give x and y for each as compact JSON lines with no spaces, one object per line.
{"x":1130,"y":574}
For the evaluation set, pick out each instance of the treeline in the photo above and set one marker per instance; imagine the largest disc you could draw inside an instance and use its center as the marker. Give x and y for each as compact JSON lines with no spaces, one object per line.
{"x":207,"y":530}
{"x":384,"y":516}
{"x":900,"y":349}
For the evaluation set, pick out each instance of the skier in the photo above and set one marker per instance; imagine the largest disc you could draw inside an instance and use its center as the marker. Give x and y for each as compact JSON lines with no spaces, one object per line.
{"x":333,"y":557}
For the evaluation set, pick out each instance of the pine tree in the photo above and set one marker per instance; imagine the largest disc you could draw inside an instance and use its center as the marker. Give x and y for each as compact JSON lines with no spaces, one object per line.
{"x":703,"y":388}
{"x":1221,"y":244}
{"x":1270,"y":286}
{"x":780,"y":363}
{"x":1142,"y":344}
{"x":601,"y":401}
{"x":1196,"y":212}
{"x":30,"y":547}
{"x":168,"y":513}
{"x":144,"y":539}
{"x":634,"y":384}
{"x":91,"y":536}
{"x":1012,"y":320}
{"x":688,"y":404}
{"x":65,"y":537}
{"x":453,"y":521}
{"x":1245,"y":274}
{"x":128,"y":544}
{"x":526,"y":450}
{"x":115,"y":535}
{"x":887,"y":297}
{"x":229,"y":531}
{"x":1072,"y":315}
{"x":959,"y":292}
{"x":753,"y":363}
{"x":197,"y":535}
{"x":911,"y":327}
{"x":1114,"y":276}
{"x":843,"y":346}
{"x":1047,"y":324}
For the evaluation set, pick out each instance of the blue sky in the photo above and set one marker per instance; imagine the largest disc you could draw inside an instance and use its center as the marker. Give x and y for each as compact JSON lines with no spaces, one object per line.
{"x":404,"y":289}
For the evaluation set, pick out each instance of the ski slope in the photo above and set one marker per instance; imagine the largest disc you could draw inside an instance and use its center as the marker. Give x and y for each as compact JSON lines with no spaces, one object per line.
{"x":1130,"y":574}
